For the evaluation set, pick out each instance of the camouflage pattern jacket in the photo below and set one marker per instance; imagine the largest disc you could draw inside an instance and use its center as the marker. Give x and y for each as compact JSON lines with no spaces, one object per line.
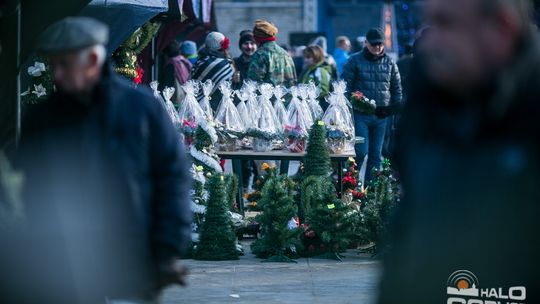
{"x":272,"y":64}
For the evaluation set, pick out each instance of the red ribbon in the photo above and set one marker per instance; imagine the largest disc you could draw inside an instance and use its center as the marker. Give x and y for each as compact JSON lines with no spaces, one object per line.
{"x":225,"y":44}
{"x":261,"y":40}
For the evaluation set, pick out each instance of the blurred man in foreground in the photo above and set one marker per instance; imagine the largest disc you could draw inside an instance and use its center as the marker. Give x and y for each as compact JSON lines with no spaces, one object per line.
{"x":106,"y":183}
{"x":469,"y":159}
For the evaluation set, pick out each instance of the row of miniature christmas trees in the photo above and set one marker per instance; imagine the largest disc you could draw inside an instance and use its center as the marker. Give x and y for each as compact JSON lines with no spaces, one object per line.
{"x":329,"y":223}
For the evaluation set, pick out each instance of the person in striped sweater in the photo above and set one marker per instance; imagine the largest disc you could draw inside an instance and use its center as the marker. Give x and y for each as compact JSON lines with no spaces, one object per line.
{"x":215,"y":64}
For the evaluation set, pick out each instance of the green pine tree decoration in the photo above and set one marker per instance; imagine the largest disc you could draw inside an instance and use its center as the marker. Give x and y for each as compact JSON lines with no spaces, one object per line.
{"x":380,"y":204}
{"x":203,"y":142}
{"x":317,"y":159}
{"x":279,"y":242}
{"x":125,"y":57}
{"x":327,"y":217}
{"x":217,"y":240}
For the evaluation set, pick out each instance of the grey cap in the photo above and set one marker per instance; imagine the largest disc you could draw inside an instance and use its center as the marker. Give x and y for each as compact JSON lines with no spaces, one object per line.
{"x":73,"y":33}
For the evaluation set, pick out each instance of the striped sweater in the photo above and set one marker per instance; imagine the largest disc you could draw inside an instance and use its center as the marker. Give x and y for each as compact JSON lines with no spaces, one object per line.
{"x":216,"y":69}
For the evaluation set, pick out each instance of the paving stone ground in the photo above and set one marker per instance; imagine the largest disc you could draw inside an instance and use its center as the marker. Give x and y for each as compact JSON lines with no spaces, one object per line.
{"x":309,"y":281}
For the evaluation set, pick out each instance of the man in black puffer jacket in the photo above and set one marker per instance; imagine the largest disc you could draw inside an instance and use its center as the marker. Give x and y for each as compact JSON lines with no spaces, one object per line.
{"x":376,"y":75}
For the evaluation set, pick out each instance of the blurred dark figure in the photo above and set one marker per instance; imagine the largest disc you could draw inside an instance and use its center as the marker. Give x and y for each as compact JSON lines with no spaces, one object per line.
{"x":248,"y":46}
{"x":404,"y":66}
{"x":376,"y":75}
{"x":469,"y":157}
{"x":176,"y":69}
{"x":106,"y":195}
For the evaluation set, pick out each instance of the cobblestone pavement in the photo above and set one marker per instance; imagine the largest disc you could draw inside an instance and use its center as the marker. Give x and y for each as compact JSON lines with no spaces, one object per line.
{"x":309,"y":281}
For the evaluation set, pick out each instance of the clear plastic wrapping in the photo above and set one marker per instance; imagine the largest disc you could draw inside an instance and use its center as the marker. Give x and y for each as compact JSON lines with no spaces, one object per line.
{"x":229,"y":125}
{"x":315,"y":108}
{"x":338,"y":120}
{"x":190,"y":111}
{"x":207,"y":87}
{"x":296,"y":131}
{"x":252,"y":104}
{"x":279,"y":107}
{"x":169,"y":106}
{"x":267,"y":128}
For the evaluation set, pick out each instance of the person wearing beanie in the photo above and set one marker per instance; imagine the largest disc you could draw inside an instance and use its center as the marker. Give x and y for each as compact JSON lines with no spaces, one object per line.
{"x":176,"y":69}
{"x":271,"y":63}
{"x":248,"y":46}
{"x":188,"y":49}
{"x":214,"y":64}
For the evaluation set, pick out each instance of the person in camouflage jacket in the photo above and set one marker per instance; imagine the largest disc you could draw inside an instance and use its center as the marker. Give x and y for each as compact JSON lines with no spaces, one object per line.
{"x":271,"y":63}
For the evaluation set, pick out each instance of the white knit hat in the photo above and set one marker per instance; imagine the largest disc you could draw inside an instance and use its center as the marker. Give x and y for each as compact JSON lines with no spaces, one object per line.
{"x":214,"y":41}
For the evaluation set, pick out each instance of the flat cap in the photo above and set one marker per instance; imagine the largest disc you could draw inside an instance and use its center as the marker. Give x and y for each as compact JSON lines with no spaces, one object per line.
{"x":73,"y":33}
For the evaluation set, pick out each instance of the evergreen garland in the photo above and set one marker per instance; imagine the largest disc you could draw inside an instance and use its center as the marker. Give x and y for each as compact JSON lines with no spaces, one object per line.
{"x":317,"y":159}
{"x":278,"y":240}
{"x":217,"y":240}
{"x":125,"y":57}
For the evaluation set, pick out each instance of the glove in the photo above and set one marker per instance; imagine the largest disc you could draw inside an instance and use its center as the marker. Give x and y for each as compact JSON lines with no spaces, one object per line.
{"x":382,"y":112}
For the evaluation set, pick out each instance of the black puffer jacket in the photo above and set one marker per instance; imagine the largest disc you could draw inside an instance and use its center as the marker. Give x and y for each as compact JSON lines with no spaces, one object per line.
{"x":377,"y":77}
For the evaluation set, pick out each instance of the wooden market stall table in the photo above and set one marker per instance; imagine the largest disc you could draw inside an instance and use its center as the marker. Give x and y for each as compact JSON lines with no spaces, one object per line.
{"x":282,"y":155}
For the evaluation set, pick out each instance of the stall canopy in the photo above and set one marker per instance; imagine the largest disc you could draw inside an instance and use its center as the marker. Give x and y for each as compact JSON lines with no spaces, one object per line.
{"x":123,"y":16}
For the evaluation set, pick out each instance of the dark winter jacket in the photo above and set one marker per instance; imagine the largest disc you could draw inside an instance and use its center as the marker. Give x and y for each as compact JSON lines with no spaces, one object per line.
{"x":470,"y":171}
{"x":377,"y":77}
{"x":106,"y":193}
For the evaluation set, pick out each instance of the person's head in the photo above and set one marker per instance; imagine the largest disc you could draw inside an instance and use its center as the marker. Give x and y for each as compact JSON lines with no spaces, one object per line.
{"x":216,"y":41}
{"x":375,"y":41}
{"x":188,"y":49}
{"x":322,"y":42}
{"x":343,"y":43}
{"x":75,"y":47}
{"x":173,"y":49}
{"x":247,"y":43}
{"x":264,"y":31}
{"x":470,"y":40}
{"x":313,"y":55}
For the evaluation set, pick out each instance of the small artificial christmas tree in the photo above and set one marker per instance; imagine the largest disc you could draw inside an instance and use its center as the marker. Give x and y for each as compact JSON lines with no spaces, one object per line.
{"x":279,"y":239}
{"x":317,"y":159}
{"x":217,"y":240}
{"x":379,"y":205}
{"x":328,"y":222}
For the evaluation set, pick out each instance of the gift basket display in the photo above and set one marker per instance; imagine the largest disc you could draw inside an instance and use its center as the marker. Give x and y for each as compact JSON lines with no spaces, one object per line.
{"x":266,"y":129}
{"x":279,"y":107}
{"x":190,"y":111}
{"x":300,"y":93}
{"x":315,"y":108}
{"x":338,"y":121}
{"x":296,"y":132}
{"x":207,"y":87}
{"x":169,"y":106}
{"x":229,"y":125}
